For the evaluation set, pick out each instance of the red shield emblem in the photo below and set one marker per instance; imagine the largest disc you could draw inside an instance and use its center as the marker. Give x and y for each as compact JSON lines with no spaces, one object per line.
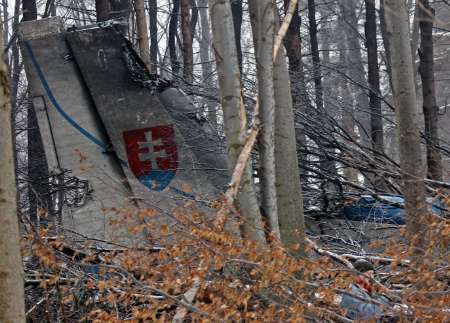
{"x":152,"y":155}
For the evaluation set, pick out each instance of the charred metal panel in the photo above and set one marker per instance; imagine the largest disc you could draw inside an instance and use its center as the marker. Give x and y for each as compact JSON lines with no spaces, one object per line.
{"x":45,"y":49}
{"x":166,"y":152}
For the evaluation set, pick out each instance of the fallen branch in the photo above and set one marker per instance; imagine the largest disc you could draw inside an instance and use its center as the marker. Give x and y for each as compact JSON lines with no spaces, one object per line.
{"x":239,"y":169}
{"x":35,"y":306}
{"x":376,"y":258}
{"x":241,"y":164}
{"x":189,"y":297}
{"x":173,"y":298}
{"x":330,"y":254}
{"x":284,"y":27}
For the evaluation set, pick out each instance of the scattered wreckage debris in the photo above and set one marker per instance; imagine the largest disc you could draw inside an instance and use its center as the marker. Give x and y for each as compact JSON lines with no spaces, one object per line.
{"x":133,"y":136}
{"x":384,"y":208}
{"x":356,"y":220}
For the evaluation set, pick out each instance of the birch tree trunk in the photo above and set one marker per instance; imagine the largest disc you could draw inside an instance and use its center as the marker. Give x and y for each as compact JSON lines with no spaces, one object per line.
{"x":288,"y":182}
{"x":263,"y":28}
{"x":234,"y":113}
{"x":12,"y":309}
{"x":430,"y":108}
{"x":407,"y":117}
{"x":142,"y":31}
{"x":188,"y":55}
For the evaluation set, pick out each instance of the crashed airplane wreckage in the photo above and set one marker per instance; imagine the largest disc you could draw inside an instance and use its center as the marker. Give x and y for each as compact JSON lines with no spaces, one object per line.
{"x":130,"y":135}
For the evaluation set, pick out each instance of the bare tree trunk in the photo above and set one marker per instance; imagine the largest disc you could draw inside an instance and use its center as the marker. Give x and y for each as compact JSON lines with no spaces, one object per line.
{"x":205,"y":56}
{"x":153,"y":21}
{"x":263,"y":27}
{"x":39,"y":194}
{"x":326,"y":163}
{"x":376,"y":116}
{"x":29,"y":10}
{"x":120,"y":10}
{"x":415,"y":35}
{"x":12,"y":308}
{"x":298,"y":85}
{"x":38,"y":175}
{"x":102,"y":10}
{"x":188,"y":54}
{"x":430,"y":108}
{"x":52,"y":9}
{"x":288,"y":182}
{"x":173,"y":29}
{"x":356,"y":70}
{"x":16,"y":68}
{"x":407,"y":118}
{"x":194,"y":16}
{"x":386,"y":46}
{"x":233,"y":112}
{"x":5,"y":27}
{"x":347,"y":113}
{"x":325,"y":38}
{"x":315,"y":54}
{"x":376,"y":119}
{"x":132,"y":29}
{"x":15,"y":76}
{"x":142,"y":31}
{"x":236,"y":9}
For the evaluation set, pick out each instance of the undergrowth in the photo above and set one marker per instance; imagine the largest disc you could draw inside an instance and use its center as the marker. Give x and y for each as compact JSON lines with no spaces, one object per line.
{"x":198,"y":272}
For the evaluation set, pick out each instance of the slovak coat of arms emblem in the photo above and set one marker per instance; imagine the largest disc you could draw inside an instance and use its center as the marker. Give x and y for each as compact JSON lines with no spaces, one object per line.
{"x":152,"y":155}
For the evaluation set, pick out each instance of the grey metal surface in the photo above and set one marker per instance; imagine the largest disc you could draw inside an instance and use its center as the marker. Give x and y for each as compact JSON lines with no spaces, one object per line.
{"x":46,"y":131}
{"x":125,"y":105}
{"x":66,"y":148}
{"x":203,"y":140}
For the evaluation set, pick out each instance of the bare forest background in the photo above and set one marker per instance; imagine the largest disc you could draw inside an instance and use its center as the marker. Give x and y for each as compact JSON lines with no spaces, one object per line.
{"x":339,"y":72}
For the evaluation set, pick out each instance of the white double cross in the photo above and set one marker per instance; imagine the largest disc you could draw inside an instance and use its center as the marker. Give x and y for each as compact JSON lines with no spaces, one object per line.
{"x":151,"y":155}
